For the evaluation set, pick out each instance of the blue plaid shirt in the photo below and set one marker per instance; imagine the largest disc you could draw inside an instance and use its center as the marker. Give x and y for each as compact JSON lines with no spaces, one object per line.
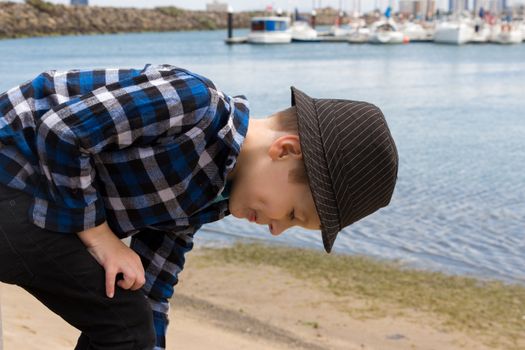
{"x":146,"y":150}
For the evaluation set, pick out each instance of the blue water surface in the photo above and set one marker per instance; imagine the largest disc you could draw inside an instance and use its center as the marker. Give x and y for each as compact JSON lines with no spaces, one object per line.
{"x":456,"y":113}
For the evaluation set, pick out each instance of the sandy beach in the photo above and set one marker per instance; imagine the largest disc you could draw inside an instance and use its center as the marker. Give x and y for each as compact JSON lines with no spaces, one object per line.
{"x":221,"y":305}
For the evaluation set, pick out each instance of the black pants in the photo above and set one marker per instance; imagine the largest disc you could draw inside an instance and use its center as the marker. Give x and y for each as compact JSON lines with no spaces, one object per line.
{"x":58,"y":270}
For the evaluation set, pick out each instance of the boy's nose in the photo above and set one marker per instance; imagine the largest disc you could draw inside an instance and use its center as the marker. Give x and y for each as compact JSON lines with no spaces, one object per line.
{"x":276,"y":228}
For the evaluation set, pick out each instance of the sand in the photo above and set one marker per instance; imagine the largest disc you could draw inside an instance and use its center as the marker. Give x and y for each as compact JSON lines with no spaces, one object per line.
{"x":240,"y":307}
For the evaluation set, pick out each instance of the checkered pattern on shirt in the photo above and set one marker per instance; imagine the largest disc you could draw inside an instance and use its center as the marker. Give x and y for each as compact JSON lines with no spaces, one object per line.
{"x":142,"y":149}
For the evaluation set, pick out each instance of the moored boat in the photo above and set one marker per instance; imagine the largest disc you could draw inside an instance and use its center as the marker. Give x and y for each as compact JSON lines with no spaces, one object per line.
{"x":481,"y":33}
{"x":506,"y":34}
{"x":359,"y":36}
{"x":414,"y":31}
{"x":270,"y":30}
{"x":302,"y":32}
{"x":456,"y":33}
{"x":386,"y":32}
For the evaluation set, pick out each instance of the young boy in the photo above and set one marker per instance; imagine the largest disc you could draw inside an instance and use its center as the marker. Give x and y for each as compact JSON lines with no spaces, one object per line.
{"x":89,"y":157}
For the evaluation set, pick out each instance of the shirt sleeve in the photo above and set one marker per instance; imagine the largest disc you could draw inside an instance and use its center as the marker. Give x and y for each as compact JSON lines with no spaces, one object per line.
{"x":131,"y":112}
{"x":163,"y":256}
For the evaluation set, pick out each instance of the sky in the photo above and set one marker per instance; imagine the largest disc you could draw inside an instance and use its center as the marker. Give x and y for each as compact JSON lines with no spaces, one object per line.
{"x":241,"y":5}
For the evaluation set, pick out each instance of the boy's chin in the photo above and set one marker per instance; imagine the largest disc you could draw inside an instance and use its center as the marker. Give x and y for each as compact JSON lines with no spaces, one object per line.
{"x":234,"y":211}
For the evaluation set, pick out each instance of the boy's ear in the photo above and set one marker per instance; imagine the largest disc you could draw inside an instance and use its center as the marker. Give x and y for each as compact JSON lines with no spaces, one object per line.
{"x":287,"y":146}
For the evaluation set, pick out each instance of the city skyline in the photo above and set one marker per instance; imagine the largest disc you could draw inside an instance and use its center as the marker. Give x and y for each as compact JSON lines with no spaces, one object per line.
{"x":240,"y":5}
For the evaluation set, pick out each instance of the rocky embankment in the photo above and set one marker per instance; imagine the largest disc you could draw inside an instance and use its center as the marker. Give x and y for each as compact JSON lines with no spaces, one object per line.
{"x":40,"y":18}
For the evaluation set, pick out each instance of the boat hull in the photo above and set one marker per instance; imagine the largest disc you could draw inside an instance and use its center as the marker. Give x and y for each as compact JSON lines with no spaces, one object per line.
{"x":454,"y":34}
{"x":481,"y":36}
{"x":415,"y":32}
{"x":509,"y":38}
{"x":270,"y":38}
{"x":303,"y":32}
{"x":358,"y":38}
{"x":306,"y":40}
{"x":386,"y":38}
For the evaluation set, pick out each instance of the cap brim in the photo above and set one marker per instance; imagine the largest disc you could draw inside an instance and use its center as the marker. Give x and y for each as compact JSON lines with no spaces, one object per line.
{"x":316,"y":166}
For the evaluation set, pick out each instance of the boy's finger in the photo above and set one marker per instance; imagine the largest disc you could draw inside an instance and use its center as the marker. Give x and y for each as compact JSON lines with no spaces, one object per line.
{"x":139,"y":282}
{"x":127,"y":282}
{"x":110,"y":282}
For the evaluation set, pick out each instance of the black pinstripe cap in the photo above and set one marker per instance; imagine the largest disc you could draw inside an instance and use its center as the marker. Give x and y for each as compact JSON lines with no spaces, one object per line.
{"x":350,"y":158}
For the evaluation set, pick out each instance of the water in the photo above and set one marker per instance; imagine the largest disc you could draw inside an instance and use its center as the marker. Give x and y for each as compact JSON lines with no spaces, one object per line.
{"x":457,"y":114}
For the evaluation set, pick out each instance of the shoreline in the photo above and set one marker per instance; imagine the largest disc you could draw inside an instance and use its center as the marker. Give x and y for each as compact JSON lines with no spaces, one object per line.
{"x":261,"y":297}
{"x":364,"y":288}
{"x":37,"y":18}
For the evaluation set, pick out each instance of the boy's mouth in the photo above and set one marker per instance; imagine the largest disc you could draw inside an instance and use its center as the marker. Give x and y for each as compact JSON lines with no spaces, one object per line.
{"x":252,"y":216}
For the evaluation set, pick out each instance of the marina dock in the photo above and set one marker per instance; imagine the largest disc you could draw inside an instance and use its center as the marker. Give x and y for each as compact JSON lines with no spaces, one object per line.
{"x":320,"y":39}
{"x":473,"y":27}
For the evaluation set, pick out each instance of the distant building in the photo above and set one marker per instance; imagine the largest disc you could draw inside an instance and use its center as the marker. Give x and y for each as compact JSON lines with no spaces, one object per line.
{"x":406,"y":7}
{"x":518,"y":10}
{"x":216,"y":6}
{"x":494,"y":6}
{"x":417,"y":8}
{"x":79,"y":3}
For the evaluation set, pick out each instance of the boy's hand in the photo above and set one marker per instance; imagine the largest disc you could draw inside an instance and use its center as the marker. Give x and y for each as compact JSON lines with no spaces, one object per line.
{"x":115,"y":257}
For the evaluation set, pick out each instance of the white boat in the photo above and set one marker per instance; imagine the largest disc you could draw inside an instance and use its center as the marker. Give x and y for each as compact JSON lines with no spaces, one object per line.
{"x":431,"y":32}
{"x":506,"y":33}
{"x":360,"y":35}
{"x":361,"y":32}
{"x":482,"y":32}
{"x":456,"y":33}
{"x":341,"y":31}
{"x":270,"y":30}
{"x":522,"y":28}
{"x":385,"y":32}
{"x":302,"y":31}
{"x":414,"y":32}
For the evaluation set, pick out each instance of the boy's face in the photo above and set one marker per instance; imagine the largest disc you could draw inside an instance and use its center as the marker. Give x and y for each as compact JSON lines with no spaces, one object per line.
{"x":262,"y":192}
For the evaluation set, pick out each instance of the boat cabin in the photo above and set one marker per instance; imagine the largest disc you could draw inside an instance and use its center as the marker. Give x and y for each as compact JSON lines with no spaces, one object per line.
{"x":270,"y":24}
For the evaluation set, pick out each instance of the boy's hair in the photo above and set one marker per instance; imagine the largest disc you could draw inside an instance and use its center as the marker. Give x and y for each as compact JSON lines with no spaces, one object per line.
{"x":286,"y":121}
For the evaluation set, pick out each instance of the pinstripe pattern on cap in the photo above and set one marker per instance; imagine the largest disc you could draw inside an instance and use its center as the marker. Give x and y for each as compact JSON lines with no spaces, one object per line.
{"x":350,"y":158}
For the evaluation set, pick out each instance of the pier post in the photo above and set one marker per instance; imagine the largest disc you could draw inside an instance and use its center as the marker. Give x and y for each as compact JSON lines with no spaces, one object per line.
{"x":339,"y":18}
{"x":230,"y":22}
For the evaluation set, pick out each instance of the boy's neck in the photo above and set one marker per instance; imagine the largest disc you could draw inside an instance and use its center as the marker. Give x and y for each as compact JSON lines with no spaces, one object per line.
{"x":258,"y":139}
